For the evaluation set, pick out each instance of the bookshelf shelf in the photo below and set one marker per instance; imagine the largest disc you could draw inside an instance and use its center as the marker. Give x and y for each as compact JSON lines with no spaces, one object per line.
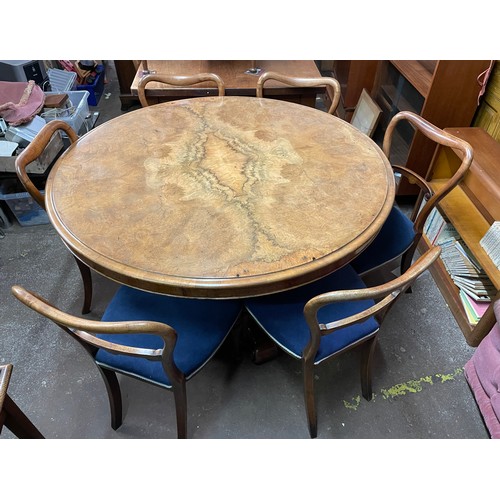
{"x":417,"y":73}
{"x":464,"y":207}
{"x":471,"y":225}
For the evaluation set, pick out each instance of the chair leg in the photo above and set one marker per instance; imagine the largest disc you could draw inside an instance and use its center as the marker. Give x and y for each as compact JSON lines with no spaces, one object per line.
{"x":406,"y":261}
{"x":366,"y":368}
{"x":179,"y":390}
{"x":114,"y":396}
{"x":312,"y":419}
{"x":17,"y":422}
{"x":87,"y":285}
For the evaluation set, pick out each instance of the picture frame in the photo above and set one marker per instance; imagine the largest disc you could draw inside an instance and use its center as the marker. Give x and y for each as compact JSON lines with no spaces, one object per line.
{"x":366,"y":114}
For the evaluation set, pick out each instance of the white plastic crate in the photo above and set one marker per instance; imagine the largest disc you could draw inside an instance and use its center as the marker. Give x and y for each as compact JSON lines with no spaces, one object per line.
{"x":61,"y":80}
{"x":75,"y":115}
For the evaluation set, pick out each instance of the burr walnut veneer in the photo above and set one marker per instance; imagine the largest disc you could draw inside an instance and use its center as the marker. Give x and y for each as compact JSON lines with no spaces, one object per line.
{"x":220,"y":196}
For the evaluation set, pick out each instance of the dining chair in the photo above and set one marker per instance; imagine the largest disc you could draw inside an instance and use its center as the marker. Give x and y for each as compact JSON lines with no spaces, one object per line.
{"x":400,"y":233}
{"x":177,"y":81}
{"x":155,"y":338}
{"x":34,"y":149}
{"x":328,"y":317}
{"x":330,"y":82}
{"x":11,"y":416}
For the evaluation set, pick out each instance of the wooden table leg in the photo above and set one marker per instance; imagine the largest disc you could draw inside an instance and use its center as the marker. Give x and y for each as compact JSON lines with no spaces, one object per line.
{"x":17,"y":422}
{"x":264,"y":349}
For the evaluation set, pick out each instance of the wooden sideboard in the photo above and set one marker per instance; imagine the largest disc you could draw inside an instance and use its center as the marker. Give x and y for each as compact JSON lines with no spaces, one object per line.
{"x":237,"y":77}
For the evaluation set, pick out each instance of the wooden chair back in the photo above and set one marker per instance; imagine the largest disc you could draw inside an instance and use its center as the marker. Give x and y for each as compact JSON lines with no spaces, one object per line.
{"x":302,"y":82}
{"x":85,"y":331}
{"x":34,"y":149}
{"x":463,"y":148}
{"x":178,"y":81}
{"x":384,"y":295}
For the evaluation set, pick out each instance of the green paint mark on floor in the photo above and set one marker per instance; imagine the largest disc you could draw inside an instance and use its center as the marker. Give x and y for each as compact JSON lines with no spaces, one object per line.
{"x":353,"y":406}
{"x":410,"y":386}
{"x":449,"y":376}
{"x":405,"y":387}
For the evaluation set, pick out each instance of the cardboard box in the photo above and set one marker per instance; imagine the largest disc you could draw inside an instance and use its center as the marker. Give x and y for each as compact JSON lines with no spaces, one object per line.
{"x":40,"y":165}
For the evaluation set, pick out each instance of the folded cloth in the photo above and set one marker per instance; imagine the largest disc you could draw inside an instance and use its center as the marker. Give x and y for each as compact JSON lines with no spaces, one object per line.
{"x":20,"y":101}
{"x":482,"y":372}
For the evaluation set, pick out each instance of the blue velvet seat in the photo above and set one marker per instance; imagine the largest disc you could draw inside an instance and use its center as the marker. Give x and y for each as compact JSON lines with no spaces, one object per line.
{"x":318,"y":321}
{"x":393,"y":240}
{"x":162,"y":340}
{"x":281,"y":315}
{"x":201,"y":326}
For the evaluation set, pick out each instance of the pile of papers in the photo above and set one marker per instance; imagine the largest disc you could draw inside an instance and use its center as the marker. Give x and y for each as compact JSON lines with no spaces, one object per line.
{"x":473,"y":309}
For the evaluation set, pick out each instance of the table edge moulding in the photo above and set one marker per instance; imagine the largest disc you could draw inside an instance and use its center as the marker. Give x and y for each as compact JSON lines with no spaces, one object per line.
{"x":208,"y":159}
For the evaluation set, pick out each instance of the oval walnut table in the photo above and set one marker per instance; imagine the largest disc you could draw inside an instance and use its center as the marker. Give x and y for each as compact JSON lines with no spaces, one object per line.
{"x":220,"y":196}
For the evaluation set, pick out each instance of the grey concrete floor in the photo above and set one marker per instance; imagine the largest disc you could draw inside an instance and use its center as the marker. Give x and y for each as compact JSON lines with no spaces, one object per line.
{"x":419,"y":387}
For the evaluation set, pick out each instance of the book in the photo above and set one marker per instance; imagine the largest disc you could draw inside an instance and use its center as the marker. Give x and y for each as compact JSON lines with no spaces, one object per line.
{"x":448,"y":234}
{"x":429,"y":219}
{"x":471,"y":293}
{"x":467,"y":254}
{"x":435,"y":226}
{"x":473,"y":309}
{"x":491,"y":243}
{"x":466,"y":272}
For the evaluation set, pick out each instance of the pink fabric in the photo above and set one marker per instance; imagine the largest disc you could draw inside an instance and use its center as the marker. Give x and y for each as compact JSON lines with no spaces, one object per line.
{"x":20,"y":101}
{"x":482,"y":372}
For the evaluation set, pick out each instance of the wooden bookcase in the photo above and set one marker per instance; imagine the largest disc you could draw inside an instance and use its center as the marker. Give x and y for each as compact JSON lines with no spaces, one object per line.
{"x":353,"y":76}
{"x":443,"y":92}
{"x":471,"y":207}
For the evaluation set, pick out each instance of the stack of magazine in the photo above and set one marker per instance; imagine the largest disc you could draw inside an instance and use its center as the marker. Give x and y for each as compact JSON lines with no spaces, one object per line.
{"x":475,"y":288}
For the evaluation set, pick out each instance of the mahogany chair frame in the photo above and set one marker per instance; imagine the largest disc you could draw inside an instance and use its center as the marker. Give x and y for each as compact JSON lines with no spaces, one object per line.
{"x":11,"y":416}
{"x":302,"y":82}
{"x":84,"y":331}
{"x":34,"y":149}
{"x":385,"y":296}
{"x":422,"y":210}
{"x":177,"y":81}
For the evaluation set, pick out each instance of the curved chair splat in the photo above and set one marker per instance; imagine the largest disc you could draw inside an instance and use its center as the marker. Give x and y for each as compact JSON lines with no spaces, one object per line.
{"x":302,"y":82}
{"x":30,"y":154}
{"x":178,"y":81}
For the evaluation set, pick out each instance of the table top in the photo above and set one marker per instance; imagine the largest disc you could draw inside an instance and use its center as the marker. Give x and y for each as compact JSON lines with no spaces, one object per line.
{"x":234,"y":75}
{"x":220,"y":196}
